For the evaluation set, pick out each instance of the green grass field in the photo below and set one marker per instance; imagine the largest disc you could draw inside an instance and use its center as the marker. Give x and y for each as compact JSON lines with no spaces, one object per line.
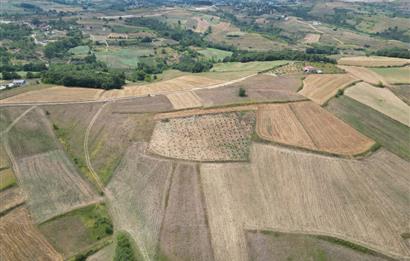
{"x":123,"y":58}
{"x":80,"y":50}
{"x":387,"y":132}
{"x":7,"y":179}
{"x":216,"y":54}
{"x":77,"y":230}
{"x":250,"y":66}
{"x":395,"y":75}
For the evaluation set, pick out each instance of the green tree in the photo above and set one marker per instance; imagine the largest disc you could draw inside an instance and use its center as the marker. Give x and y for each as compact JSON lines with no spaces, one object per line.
{"x":123,"y":250}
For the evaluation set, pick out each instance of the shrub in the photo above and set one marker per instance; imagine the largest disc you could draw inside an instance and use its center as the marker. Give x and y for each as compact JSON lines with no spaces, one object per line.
{"x":339,"y":92}
{"x":123,"y":250}
{"x":242,"y":92}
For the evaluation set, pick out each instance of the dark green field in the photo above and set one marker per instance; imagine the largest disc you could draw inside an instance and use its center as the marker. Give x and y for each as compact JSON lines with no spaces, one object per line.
{"x":389,"y":133}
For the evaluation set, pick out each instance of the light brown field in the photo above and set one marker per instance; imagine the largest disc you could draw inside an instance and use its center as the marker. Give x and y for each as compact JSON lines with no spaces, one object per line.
{"x":218,"y":137}
{"x":201,"y":25}
{"x":104,"y":254}
{"x":307,"y":125}
{"x":382,"y":100}
{"x":311,"y":38}
{"x":184,"y":233}
{"x":321,"y":87}
{"x":53,"y":185}
{"x":365,"y":74}
{"x":184,"y":100}
{"x":55,"y":94}
{"x":11,"y":198}
{"x":362,"y":201}
{"x":182,"y":83}
{"x":21,"y":240}
{"x":373,"y":61}
{"x":137,"y":194}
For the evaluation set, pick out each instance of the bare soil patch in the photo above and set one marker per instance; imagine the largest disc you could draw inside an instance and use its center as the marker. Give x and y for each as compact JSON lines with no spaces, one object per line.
{"x":184,"y":100}
{"x":402,"y":91}
{"x":382,"y":100}
{"x":322,"y":87}
{"x":311,"y":38}
{"x":21,"y":240}
{"x":361,"y":201}
{"x":259,"y":88}
{"x":218,"y":137}
{"x":53,"y":185}
{"x":373,"y":61}
{"x":307,"y":125}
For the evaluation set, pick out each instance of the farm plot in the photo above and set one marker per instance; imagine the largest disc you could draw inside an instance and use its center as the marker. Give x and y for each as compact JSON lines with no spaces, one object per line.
{"x":267,"y":245}
{"x":216,"y":54}
{"x":401,"y":91}
{"x":184,"y":100}
{"x":155,"y":103}
{"x":365,"y":74}
{"x":21,"y":240}
{"x":137,"y":193}
{"x":31,"y":135}
{"x":106,"y":149}
{"x":55,"y":94}
{"x":78,"y":231}
{"x":182,"y":83}
{"x":311,"y":38}
{"x":124,"y":58}
{"x":105,"y":254}
{"x":184,"y":233}
{"x":219,"y":137}
{"x":387,"y":132}
{"x":7,"y":178}
{"x":10,"y":198}
{"x":382,"y":100}
{"x":307,"y":125}
{"x":53,"y":185}
{"x":249,"y":66}
{"x":322,"y":87}
{"x":397,"y":75}
{"x":361,"y":201}
{"x":259,"y":88}
{"x":373,"y":61}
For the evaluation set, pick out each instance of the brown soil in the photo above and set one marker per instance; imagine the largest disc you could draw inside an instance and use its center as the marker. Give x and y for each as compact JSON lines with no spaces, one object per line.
{"x":11,"y":198}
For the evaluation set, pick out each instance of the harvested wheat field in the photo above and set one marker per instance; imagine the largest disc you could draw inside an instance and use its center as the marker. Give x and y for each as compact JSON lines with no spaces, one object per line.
{"x":11,"y":198}
{"x":382,"y":100}
{"x":307,"y":125}
{"x":184,"y":233}
{"x":259,"y":88}
{"x":155,"y":103}
{"x":137,"y":193}
{"x":53,"y":185}
{"x":219,"y":137}
{"x":182,"y":83}
{"x":56,"y":94}
{"x":395,"y":75}
{"x":373,"y":61}
{"x":31,"y":135}
{"x":322,"y":87}
{"x":361,"y":201}
{"x":272,"y":245}
{"x":21,"y":240}
{"x":184,"y":100}
{"x":389,"y":133}
{"x":311,"y":38}
{"x":365,"y":74}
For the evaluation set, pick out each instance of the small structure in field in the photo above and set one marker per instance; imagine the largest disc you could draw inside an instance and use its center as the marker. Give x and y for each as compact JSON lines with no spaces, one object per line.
{"x":311,"y":69}
{"x":117,"y":36}
{"x":18,"y":82}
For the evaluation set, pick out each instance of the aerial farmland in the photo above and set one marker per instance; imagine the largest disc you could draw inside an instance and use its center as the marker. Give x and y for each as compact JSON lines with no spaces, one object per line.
{"x":210,"y":131}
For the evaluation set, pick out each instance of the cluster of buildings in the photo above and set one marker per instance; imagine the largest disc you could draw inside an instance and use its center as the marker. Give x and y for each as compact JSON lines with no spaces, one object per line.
{"x":13,"y":84}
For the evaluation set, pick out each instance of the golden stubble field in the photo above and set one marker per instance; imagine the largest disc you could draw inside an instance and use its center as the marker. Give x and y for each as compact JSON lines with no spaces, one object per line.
{"x":373,"y":61}
{"x":362,"y":201}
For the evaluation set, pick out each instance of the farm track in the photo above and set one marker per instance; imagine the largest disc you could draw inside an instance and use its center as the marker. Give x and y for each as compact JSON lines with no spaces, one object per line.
{"x":16,"y":120}
{"x":86,"y":152}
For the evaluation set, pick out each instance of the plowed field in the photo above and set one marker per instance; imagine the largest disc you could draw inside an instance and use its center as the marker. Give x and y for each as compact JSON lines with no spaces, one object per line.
{"x":20,"y":240}
{"x":184,"y":100}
